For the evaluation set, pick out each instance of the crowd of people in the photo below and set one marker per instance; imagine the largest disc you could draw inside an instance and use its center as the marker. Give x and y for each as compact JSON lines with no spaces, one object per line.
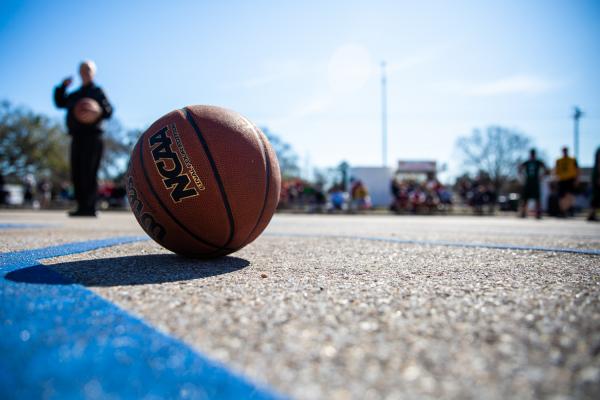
{"x":483,"y":195}
{"x":478,"y":193}
{"x":563,"y":189}
{"x":299,"y":194}
{"x":417,"y":197}
{"x":408,"y":195}
{"x":564,"y":186}
{"x":42,"y":193}
{"x":34,"y":192}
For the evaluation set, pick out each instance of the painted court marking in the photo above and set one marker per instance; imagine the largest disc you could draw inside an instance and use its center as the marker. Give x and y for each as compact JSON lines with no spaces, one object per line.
{"x":64,"y":341}
{"x":496,"y":246}
{"x":23,"y":226}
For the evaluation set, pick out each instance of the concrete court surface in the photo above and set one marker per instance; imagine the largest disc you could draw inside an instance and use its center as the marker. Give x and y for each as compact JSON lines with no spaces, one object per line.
{"x":363,"y":307}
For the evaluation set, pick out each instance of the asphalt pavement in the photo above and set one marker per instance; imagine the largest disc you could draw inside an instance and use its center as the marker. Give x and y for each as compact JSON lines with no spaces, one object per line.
{"x":363,"y":307}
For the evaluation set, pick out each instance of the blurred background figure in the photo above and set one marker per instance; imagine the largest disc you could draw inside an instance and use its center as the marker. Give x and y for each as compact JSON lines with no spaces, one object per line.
{"x":86,"y":130}
{"x":484,"y":197}
{"x":44,"y":192}
{"x":595,"y":184}
{"x":320,"y":199}
{"x":337,"y":198}
{"x":532,"y":169}
{"x":567,"y":172}
{"x":29,"y":191}
{"x":426,"y":196}
{"x":359,"y":194}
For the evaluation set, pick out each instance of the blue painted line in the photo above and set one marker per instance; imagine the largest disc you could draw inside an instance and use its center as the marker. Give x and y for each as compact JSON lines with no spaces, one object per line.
{"x":27,"y":258}
{"x":497,"y":246}
{"x":64,"y":341}
{"x":23,"y":226}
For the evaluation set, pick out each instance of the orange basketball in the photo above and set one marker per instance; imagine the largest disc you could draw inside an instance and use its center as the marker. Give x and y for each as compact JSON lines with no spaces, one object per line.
{"x":87,"y":111}
{"x":203,"y":181}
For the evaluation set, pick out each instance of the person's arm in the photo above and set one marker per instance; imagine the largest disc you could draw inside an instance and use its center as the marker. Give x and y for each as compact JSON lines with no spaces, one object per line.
{"x":107,"y":108}
{"x":60,"y":94}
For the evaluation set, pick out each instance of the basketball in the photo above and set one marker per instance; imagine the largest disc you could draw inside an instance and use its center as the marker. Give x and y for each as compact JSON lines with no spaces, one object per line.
{"x":203,"y":181}
{"x":87,"y":111}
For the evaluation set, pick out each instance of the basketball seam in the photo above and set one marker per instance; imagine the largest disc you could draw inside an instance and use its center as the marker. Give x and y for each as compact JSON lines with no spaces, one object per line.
{"x":166,"y":210}
{"x":213,"y":165}
{"x":267,"y":186}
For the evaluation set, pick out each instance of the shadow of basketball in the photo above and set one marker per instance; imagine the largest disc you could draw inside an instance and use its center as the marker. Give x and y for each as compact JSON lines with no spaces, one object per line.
{"x":129,"y":270}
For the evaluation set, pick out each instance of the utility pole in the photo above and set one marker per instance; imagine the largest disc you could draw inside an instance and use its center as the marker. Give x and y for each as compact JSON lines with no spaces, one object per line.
{"x":383,"y":115}
{"x":577,"y":113}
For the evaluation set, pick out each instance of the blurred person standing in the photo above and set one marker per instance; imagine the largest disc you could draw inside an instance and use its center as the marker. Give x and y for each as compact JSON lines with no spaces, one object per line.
{"x":29,"y":187}
{"x":360,"y":196}
{"x":567,"y":172}
{"x":395,"y":190}
{"x":595,"y":187}
{"x":337,"y":197}
{"x":86,"y":143}
{"x":532,"y":170}
{"x":44,"y":192}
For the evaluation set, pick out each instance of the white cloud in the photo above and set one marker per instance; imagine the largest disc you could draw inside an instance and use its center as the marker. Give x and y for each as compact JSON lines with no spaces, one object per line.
{"x":518,"y":84}
{"x":515,"y":84}
{"x":347,"y":71}
{"x":315,"y":105}
{"x":349,"y":68}
{"x":275,"y":71}
{"x":417,"y":59}
{"x":264,"y":80}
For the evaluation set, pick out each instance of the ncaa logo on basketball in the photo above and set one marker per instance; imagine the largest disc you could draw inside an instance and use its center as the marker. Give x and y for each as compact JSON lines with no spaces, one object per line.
{"x":170,"y":166}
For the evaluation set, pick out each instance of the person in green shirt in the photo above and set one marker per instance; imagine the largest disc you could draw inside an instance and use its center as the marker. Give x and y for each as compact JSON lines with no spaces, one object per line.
{"x":532,"y":170}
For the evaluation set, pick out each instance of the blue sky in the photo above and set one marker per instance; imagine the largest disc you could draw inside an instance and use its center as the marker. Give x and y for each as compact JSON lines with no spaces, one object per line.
{"x":310,"y":71}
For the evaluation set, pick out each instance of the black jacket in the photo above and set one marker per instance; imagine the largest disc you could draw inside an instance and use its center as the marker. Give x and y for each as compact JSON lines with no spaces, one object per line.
{"x":68,"y":101}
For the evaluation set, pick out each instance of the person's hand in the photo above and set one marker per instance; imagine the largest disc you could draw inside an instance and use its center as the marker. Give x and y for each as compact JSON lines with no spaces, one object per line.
{"x":67,"y":81}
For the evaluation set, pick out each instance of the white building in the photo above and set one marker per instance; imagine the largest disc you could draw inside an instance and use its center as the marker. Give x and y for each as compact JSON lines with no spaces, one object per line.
{"x":377,"y":180}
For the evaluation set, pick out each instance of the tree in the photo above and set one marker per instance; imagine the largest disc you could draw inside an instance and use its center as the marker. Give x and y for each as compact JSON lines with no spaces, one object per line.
{"x":118,"y":144}
{"x":31,"y":143}
{"x":497,"y":153}
{"x":287,"y":157}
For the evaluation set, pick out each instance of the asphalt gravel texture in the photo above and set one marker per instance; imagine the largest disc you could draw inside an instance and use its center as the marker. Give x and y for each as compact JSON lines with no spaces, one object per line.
{"x":315,"y":311}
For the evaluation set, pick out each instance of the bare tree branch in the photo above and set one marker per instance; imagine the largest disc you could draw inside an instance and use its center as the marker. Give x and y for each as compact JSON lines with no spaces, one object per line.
{"x":498,"y":153}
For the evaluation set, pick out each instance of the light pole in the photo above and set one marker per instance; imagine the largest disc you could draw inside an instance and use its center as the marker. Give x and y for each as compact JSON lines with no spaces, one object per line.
{"x":383,"y":115}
